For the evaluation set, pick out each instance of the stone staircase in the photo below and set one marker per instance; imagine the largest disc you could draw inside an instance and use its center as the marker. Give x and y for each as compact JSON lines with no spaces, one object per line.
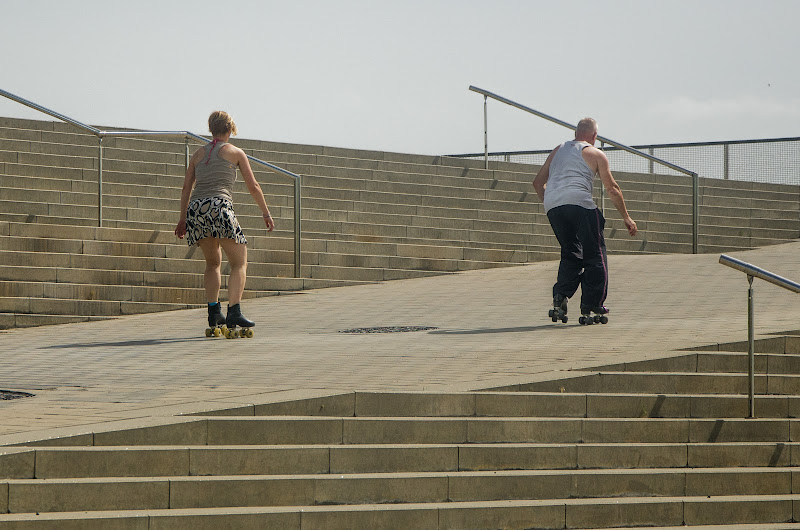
{"x":367,"y":217}
{"x":656,"y":443}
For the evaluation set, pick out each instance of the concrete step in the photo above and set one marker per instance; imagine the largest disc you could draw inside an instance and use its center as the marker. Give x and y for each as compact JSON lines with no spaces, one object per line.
{"x":185,"y":258}
{"x":89,"y":211}
{"x":125,"y":264}
{"x":783,"y":363}
{"x":566,"y":513}
{"x":119,"y":293}
{"x":98,"y":494}
{"x":402,"y":177}
{"x":512,"y":402}
{"x":318,"y":430}
{"x":398,"y":234}
{"x":176,"y":460}
{"x":161,"y":232}
{"x":28,"y":320}
{"x":670,"y":383}
{"x":750,"y":526}
{"x":84,"y":308}
{"x":154,"y":279}
{"x":788,"y":342}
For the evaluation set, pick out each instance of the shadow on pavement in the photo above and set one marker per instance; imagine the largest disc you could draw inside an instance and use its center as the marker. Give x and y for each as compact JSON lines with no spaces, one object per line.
{"x":523,"y":329}
{"x":123,"y":344}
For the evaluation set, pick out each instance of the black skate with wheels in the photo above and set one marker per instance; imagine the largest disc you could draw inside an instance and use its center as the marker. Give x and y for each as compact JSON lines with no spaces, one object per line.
{"x":559,"y":311}
{"x":235,"y":318}
{"x":595,"y":315}
{"x":216,"y":321}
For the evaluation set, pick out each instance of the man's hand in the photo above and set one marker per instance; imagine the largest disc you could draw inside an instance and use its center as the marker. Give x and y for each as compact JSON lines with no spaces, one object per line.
{"x":631,"y":226}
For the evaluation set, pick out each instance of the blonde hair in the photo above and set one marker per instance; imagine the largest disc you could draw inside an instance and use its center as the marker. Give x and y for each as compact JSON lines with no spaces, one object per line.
{"x":220,"y":122}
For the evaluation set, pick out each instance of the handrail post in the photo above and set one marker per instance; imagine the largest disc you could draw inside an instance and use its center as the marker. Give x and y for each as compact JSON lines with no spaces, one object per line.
{"x":726,"y":152}
{"x":602,"y":188}
{"x":695,"y":213}
{"x":186,"y":153}
{"x":485,"y":132}
{"x":297,"y":228}
{"x":755,"y":272}
{"x":751,"y":350}
{"x":100,"y":181}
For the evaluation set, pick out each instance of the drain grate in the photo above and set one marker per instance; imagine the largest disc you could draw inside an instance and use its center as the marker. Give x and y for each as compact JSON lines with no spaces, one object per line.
{"x":388,"y":329}
{"x":5,"y":395}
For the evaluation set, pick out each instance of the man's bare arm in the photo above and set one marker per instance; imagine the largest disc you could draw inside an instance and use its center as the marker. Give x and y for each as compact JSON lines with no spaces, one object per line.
{"x":600,"y":163}
{"x":540,"y":182}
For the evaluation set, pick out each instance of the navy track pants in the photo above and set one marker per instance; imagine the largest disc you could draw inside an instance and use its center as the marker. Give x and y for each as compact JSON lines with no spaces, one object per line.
{"x":584,"y":260}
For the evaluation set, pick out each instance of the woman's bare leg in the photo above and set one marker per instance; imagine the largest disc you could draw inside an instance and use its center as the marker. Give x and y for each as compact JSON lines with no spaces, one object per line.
{"x":237,"y":259}
{"x":212,"y":279}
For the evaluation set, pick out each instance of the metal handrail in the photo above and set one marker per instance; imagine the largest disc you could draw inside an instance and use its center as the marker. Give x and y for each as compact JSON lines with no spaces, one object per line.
{"x":755,"y":272}
{"x":186,"y":135}
{"x":695,"y":178}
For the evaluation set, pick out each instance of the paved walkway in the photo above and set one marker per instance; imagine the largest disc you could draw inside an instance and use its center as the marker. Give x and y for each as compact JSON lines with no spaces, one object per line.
{"x":493,"y":330}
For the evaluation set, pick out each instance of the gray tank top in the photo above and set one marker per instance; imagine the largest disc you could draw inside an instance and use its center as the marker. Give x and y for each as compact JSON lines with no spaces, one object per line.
{"x":570,"y":180}
{"x":214,"y":176}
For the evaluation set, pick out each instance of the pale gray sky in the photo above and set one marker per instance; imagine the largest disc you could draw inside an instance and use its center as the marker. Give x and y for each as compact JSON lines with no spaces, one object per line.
{"x":394,"y":75}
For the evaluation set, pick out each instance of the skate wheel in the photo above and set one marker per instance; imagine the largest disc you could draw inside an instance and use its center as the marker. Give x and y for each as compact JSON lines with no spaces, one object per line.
{"x":604,"y":319}
{"x":564,"y":320}
{"x":228,"y":334}
{"x":596,"y":319}
{"x":235,"y":334}
{"x":581,"y":321}
{"x":208,"y":332}
{"x":551,"y":314}
{"x":217,"y":332}
{"x":248,"y":333}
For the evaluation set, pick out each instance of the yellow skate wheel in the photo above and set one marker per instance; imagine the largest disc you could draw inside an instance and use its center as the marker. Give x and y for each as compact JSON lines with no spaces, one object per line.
{"x":236,"y":334}
{"x":217,"y":332}
{"x":208,"y":332}
{"x":227,"y":333}
{"x":248,"y":333}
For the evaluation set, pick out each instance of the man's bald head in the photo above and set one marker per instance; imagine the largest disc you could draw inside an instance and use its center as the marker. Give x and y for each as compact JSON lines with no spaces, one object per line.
{"x":587,"y":130}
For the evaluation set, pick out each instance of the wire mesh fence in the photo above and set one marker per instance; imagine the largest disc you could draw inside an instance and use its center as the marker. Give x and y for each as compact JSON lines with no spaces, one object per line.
{"x":774,"y":161}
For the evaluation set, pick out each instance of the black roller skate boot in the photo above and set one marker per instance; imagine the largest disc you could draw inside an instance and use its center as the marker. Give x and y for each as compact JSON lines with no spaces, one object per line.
{"x":593,"y":315}
{"x":235,"y":318}
{"x":559,"y":311}
{"x":216,"y":321}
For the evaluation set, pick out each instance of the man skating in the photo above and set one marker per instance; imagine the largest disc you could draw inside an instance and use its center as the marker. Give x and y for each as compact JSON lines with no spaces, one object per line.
{"x":564,"y":184}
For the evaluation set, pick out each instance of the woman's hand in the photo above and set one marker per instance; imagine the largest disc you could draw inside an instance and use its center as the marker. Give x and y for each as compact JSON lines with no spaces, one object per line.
{"x":270,"y":222}
{"x":180,"y":230}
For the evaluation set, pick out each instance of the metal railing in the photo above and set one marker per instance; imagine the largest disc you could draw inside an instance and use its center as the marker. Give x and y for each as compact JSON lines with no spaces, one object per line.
{"x":186,"y":135}
{"x":755,"y":272}
{"x":768,"y":160}
{"x":695,"y":177}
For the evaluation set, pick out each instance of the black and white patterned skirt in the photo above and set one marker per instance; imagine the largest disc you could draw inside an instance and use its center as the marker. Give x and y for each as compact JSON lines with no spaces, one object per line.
{"x":212,"y":217}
